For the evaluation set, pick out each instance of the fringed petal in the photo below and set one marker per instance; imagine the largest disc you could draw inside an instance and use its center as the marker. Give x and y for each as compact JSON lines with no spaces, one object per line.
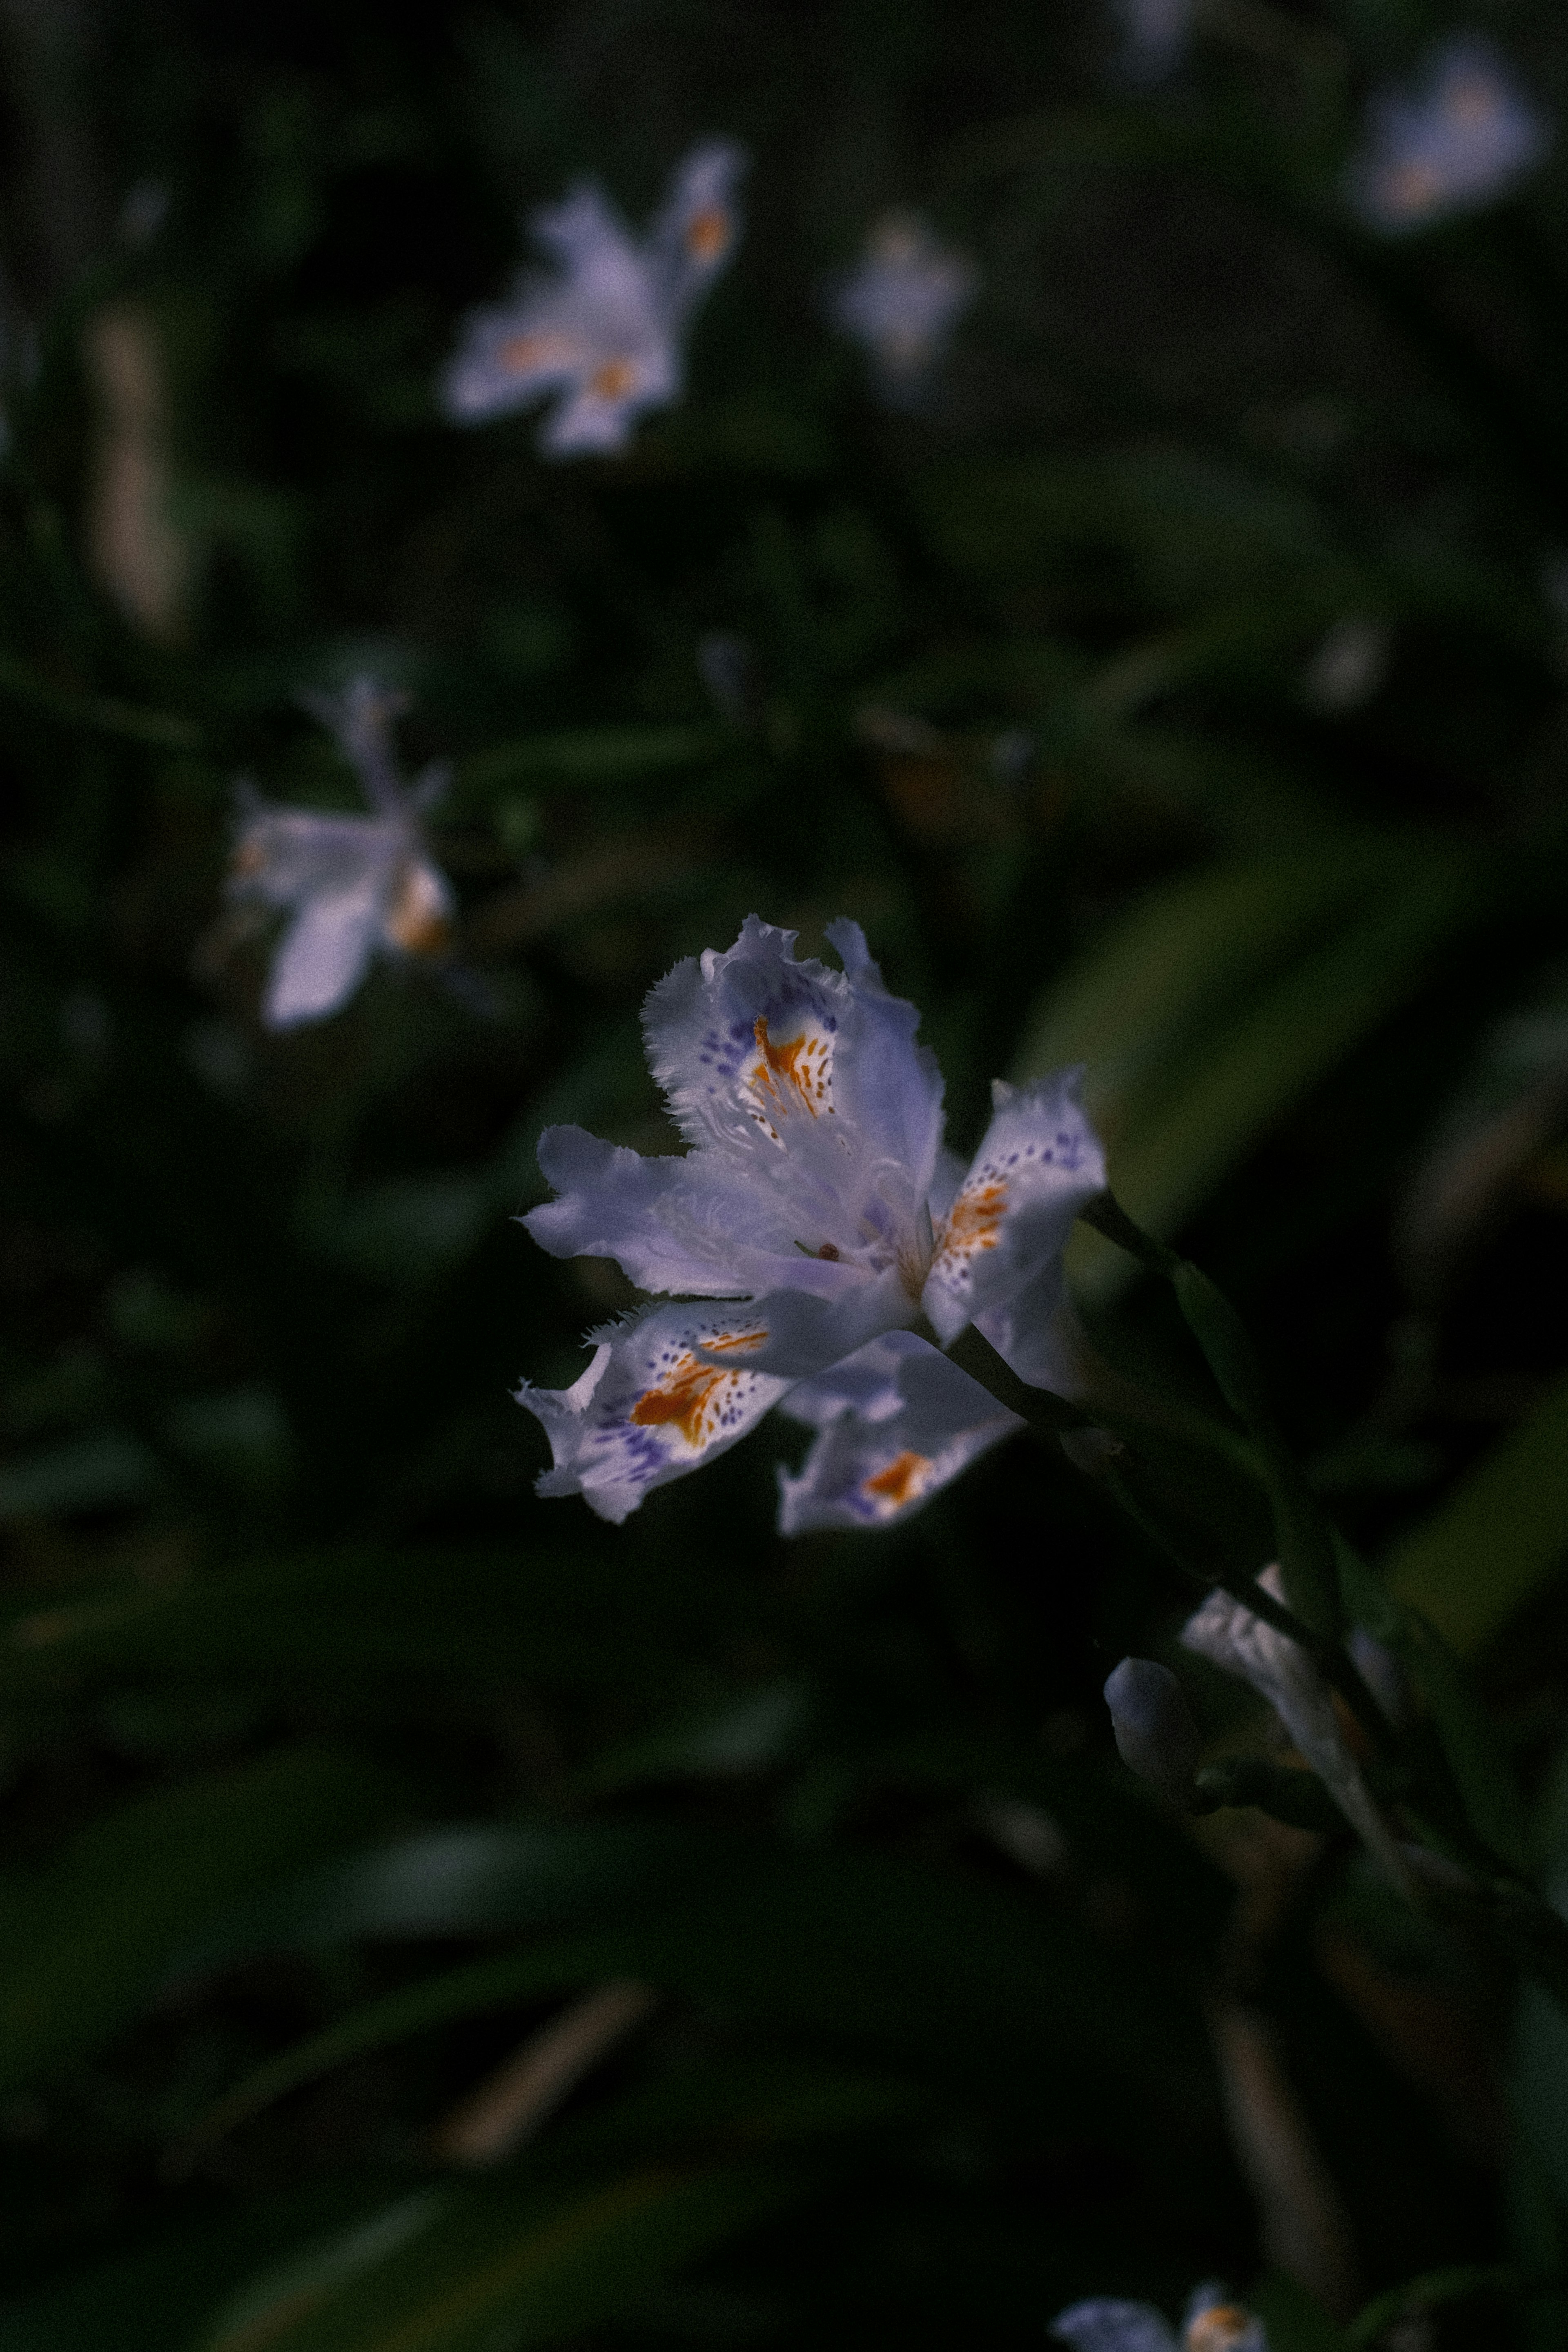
{"x":896,"y":1422}
{"x":652,"y":1405}
{"x":999,"y":1252}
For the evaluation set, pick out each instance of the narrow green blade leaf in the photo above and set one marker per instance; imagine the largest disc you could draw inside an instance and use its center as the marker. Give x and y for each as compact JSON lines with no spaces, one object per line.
{"x":90,"y":1936}
{"x":464,"y":2270}
{"x":1499,"y":1538}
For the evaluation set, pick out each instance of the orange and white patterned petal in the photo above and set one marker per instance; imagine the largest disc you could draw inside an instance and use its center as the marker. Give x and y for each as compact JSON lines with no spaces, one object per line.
{"x":895,"y":1423}
{"x":998,"y":1251}
{"x":699,"y":225}
{"x":1213,"y":2324}
{"x":665,"y":1394}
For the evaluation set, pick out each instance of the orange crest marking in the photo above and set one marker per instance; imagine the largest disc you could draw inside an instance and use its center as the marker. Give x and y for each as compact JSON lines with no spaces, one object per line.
{"x":707,"y":235}
{"x":1216,"y":2330}
{"x":974,"y":1222}
{"x":1413,"y":186}
{"x":804,"y":1064}
{"x":900,"y":1482}
{"x":613,"y":381}
{"x":416,"y":918}
{"x":691,"y":1393}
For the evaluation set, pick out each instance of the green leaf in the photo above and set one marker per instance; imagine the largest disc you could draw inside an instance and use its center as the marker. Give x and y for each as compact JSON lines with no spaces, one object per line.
{"x":1430,"y":2292}
{"x":375,"y":1626}
{"x":1482,"y":1773}
{"x":1216,"y":1004}
{"x":468,"y":2269}
{"x":1294,"y":2320}
{"x":89,"y":1473}
{"x":153,"y":2299}
{"x":591,"y":755}
{"x":87,"y":1937}
{"x":469,"y":1992}
{"x":1499,"y":1538}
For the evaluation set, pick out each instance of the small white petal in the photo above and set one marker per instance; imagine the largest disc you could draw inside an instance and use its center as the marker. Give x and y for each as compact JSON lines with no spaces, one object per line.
{"x":323,"y":957}
{"x":895,"y":1423}
{"x":999,"y":1252}
{"x":1104,"y":2325}
{"x":698,"y":228}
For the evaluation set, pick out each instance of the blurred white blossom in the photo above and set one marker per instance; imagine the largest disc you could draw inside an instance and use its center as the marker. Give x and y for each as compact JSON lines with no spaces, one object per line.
{"x":601,"y":336}
{"x":1154,"y":36}
{"x":1464,"y":134}
{"x":904,"y":298}
{"x":349,"y":884}
{"x":1213,"y":2324}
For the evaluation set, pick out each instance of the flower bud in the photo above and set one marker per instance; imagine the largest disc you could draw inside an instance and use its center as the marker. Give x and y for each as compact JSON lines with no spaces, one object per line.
{"x":1156,"y":1734}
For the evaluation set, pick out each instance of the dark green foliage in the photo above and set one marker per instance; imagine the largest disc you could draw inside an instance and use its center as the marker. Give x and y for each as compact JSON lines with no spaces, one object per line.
{"x":336,"y":1764}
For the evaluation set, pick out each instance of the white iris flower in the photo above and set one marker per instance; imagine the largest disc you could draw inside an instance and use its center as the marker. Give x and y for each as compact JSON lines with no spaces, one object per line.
{"x":600,"y":337}
{"x":902,"y":300}
{"x":1465,"y":134}
{"x":815,"y":1218}
{"x":349,"y":885}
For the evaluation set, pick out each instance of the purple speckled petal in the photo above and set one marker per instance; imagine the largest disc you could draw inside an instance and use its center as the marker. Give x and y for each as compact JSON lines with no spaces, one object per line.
{"x":650,"y":1407}
{"x":998,"y":1255}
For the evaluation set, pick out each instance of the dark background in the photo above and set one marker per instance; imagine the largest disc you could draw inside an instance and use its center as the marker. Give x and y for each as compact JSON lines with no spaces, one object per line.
{"x":315,"y":1722}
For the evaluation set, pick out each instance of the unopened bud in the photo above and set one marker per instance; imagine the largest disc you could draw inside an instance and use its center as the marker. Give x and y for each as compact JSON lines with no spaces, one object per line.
{"x":1156,"y":1734}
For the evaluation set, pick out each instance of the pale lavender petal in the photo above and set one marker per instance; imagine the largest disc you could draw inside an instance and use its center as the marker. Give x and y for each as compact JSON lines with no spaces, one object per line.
{"x":586,"y":236}
{"x":680,"y":1223}
{"x":650,"y":1407}
{"x":895,"y":1423}
{"x":888,"y":1085}
{"x":697,"y":230}
{"x":512,"y":354}
{"x":591,"y":423}
{"x":998,"y":1255}
{"x":322,"y":956}
{"x":807,"y":1333}
{"x":1157,"y":33}
{"x":362,"y":716}
{"x":1465,"y":134}
{"x":904,"y":296}
{"x":1104,"y":2325}
{"x":282,"y":856}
